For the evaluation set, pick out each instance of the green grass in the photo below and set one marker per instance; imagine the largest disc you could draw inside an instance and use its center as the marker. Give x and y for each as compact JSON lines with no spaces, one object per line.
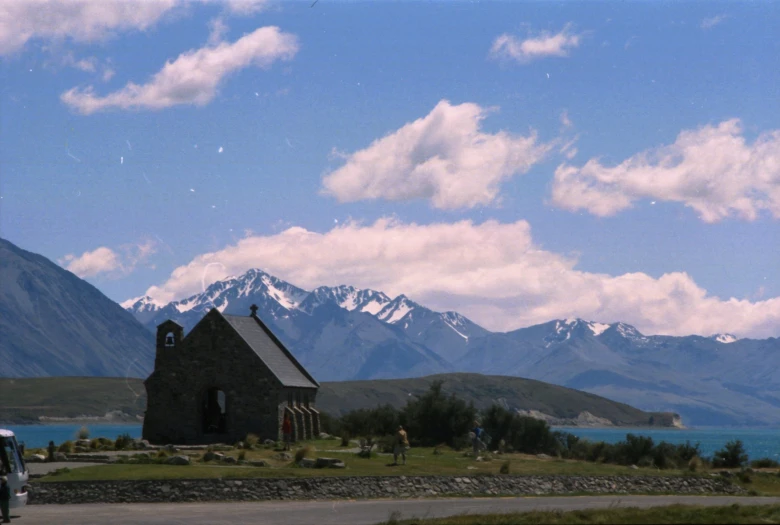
{"x":671,"y":514}
{"x":24,"y":400}
{"x":420,"y":462}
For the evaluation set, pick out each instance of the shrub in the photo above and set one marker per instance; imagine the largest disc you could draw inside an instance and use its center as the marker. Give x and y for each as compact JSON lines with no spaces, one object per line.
{"x":242,"y":455}
{"x":66,"y":447}
{"x":83,"y":433}
{"x":504,"y":467}
{"x":304,"y":452}
{"x":744,"y":477}
{"x":251,"y":441}
{"x":162,"y":454}
{"x":330,"y":424}
{"x":434,"y":418}
{"x":764,"y":463}
{"x":345,"y":437}
{"x":731,"y":456}
{"x":123,"y":441}
{"x":695,"y":464}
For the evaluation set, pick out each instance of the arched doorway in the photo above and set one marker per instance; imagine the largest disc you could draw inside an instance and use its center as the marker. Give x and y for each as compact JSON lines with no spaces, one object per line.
{"x":214,"y":411}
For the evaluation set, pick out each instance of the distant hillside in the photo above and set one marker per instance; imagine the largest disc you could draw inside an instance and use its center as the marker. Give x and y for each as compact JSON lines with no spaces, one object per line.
{"x":52,"y":323}
{"x":25,"y":400}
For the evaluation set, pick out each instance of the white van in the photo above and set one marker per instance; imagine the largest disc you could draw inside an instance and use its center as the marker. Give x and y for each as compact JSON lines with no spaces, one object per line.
{"x":13,"y":468}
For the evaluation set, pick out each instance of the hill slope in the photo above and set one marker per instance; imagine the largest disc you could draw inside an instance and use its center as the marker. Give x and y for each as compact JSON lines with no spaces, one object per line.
{"x":53,"y":323}
{"x":25,"y":400}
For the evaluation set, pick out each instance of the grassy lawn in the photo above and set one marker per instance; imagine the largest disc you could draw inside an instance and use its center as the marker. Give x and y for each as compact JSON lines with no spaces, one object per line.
{"x":420,"y":461}
{"x":670,"y":514}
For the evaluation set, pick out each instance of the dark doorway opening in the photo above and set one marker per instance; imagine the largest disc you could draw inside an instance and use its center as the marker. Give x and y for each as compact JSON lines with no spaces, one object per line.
{"x":214,"y":412}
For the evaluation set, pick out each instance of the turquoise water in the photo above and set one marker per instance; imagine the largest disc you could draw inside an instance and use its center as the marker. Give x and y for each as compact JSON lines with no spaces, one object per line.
{"x":759,"y":442}
{"x":35,"y":436}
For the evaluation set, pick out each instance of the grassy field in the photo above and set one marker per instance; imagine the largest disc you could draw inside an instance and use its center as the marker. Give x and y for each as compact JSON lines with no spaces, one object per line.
{"x":25,"y":399}
{"x":420,"y":461}
{"x":670,"y":514}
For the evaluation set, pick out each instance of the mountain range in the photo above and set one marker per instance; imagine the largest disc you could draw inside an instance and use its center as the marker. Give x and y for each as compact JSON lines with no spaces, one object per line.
{"x":345,"y":333}
{"x":53,"y":323}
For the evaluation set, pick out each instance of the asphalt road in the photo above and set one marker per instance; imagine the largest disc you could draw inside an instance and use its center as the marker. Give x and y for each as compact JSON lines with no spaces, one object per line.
{"x":360,"y":512}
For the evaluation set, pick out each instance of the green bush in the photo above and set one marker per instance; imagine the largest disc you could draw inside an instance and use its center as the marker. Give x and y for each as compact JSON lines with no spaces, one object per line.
{"x":123,"y":441}
{"x":695,"y":464}
{"x":66,"y":447}
{"x":345,"y":438}
{"x":83,"y":433}
{"x":744,"y":477}
{"x":764,"y":463}
{"x":504,"y":467}
{"x":434,"y":418}
{"x":242,"y":455}
{"x":731,"y":456}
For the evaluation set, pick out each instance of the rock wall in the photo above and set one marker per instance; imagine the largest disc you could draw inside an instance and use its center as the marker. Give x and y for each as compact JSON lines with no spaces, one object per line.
{"x":363,"y":487}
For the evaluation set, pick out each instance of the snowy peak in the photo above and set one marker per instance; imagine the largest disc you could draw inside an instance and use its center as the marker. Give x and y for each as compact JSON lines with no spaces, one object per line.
{"x":724,"y":338}
{"x":347,"y":297}
{"x":143,"y":304}
{"x":397,"y":309}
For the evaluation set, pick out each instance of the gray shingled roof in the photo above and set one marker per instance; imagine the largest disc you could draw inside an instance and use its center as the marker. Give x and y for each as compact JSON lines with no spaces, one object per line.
{"x":282,"y":365}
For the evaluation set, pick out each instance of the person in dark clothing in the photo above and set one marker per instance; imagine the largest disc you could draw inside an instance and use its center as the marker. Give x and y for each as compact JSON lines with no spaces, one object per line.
{"x":5,"y":500}
{"x":476,"y":442}
{"x":51,"y":449}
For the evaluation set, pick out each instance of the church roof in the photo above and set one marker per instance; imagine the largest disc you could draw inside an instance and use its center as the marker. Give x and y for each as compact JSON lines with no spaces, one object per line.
{"x":271,"y":351}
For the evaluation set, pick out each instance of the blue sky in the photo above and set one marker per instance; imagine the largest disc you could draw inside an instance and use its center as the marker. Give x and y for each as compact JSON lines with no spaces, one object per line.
{"x":514,"y":161}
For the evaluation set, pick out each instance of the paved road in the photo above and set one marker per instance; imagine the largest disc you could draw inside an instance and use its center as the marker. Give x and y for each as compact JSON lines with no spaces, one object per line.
{"x":361,"y":512}
{"x":45,"y":468}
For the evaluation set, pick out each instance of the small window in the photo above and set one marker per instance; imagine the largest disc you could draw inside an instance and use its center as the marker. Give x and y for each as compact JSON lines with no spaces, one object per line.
{"x":170,"y":339}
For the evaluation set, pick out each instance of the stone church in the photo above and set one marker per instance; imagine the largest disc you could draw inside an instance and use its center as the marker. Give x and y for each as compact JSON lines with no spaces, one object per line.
{"x":230,"y":376}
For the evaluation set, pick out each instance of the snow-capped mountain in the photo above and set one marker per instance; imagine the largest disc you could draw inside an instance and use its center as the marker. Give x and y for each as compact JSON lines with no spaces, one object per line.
{"x":343,"y":332}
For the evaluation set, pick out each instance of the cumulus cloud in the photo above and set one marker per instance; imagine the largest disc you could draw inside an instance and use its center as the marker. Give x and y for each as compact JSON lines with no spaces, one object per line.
{"x":194,"y":77}
{"x":492,"y":272}
{"x":105,"y":261}
{"x":713,"y":170}
{"x":80,"y":20}
{"x":545,"y":44}
{"x":444,"y":157}
{"x":709,"y":23}
{"x":92,"y":20}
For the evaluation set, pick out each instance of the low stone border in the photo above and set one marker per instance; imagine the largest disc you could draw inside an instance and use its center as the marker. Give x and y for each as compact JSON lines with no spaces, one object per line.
{"x":257,"y":489}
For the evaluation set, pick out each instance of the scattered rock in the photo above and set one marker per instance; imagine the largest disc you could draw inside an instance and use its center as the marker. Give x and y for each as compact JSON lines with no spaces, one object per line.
{"x":83,"y":443}
{"x":726,"y":473}
{"x":543,"y":456}
{"x":329,"y":463}
{"x":307,"y":462}
{"x":325,"y":435}
{"x":633,"y":467}
{"x":269,"y":442}
{"x":283,"y":456}
{"x":259,"y":463}
{"x":230,"y":460}
{"x":36,"y":458}
{"x":60,"y":456}
{"x":178,"y":460}
{"x":170,"y":449}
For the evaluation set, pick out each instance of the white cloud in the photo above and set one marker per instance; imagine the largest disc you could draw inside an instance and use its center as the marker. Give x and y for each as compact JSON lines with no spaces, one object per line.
{"x":709,"y":23}
{"x":92,"y":20}
{"x":713,"y":170}
{"x":443,"y":157}
{"x":193,"y":78}
{"x":491,"y":272}
{"x":89,"y":264}
{"x":80,"y":20}
{"x":544,"y":45}
{"x":104,"y":260}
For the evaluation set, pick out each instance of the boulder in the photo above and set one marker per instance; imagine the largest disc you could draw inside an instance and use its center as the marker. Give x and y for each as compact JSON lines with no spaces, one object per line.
{"x":329,"y":463}
{"x":60,"y":456}
{"x":283,"y":456}
{"x":178,"y":460}
{"x":35,"y":458}
{"x":634,"y":467}
{"x":325,"y":435}
{"x":170,"y":449}
{"x":259,"y":463}
{"x":230,"y":460}
{"x":269,"y":442}
{"x":307,"y":463}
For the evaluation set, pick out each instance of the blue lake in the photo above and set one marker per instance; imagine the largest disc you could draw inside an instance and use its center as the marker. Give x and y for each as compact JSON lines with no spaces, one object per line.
{"x":759,"y":442}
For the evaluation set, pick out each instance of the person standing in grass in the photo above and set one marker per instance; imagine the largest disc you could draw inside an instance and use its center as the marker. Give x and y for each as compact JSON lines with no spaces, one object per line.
{"x":476,"y":441}
{"x":51,"y":449}
{"x":5,"y":500}
{"x":287,"y":432}
{"x":400,"y":446}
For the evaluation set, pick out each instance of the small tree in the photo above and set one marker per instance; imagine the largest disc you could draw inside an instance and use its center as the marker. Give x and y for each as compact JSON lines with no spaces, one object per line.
{"x":435,"y":418}
{"x":83,"y":433}
{"x":731,"y":456}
